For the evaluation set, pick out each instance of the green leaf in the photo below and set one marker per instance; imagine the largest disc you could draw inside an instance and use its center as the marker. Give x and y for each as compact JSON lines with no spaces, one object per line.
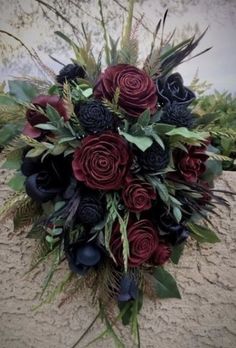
{"x":176,"y":253}
{"x":177,"y":214}
{"x":165,"y":284}
{"x":66,"y":139}
{"x":184,"y":132}
{"x":87,"y":92}
{"x":162,"y":128}
{"x":14,"y":157}
{"x":46,"y":126}
{"x":22,"y":90}
{"x":202,"y":234}
{"x":144,"y":118}
{"x":52,"y":114}
{"x":36,"y":152}
{"x":54,"y":89}
{"x":143,"y":143}
{"x":162,"y":191}
{"x":213,"y":169}
{"x":58,"y":149}
{"x":8,"y":132}
{"x":17,"y":182}
{"x":7,"y":100}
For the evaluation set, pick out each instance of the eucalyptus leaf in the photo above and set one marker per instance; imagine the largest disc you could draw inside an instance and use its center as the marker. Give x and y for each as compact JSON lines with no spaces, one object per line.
{"x":17,"y":182}
{"x":143,"y":142}
{"x":7,"y":100}
{"x":8,"y":132}
{"x":165,"y":284}
{"x":46,"y":126}
{"x":177,"y":214}
{"x":22,"y":90}
{"x":202,"y":233}
{"x":186,"y":133}
{"x":35,"y":152}
{"x":176,"y":253}
{"x":144,"y":118}
{"x":52,"y":114}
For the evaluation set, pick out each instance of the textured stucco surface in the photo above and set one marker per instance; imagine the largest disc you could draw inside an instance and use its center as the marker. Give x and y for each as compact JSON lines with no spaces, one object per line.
{"x":205,"y":317}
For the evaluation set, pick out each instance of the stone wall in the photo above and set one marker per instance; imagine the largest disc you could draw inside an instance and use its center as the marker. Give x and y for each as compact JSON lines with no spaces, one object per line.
{"x":205,"y":317}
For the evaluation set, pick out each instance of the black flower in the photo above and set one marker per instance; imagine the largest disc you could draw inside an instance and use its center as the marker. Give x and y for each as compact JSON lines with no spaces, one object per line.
{"x":178,"y":115}
{"x":47,"y":178}
{"x":82,"y":257}
{"x":91,"y":209}
{"x":94,"y":117}
{"x":171,"y":231}
{"x":70,"y":72}
{"x":128,"y":288}
{"x":171,"y":89}
{"x":154,"y":159}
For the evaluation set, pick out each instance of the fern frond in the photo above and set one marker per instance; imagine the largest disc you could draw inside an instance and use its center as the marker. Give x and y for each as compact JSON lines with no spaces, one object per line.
{"x":223,"y":132}
{"x":26,"y":213}
{"x":11,"y":113}
{"x":13,"y":151}
{"x":11,"y":204}
{"x":218,"y":157}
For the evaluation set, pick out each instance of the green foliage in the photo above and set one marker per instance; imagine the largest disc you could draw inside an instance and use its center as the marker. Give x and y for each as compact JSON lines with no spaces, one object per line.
{"x":163,"y":59}
{"x":176,"y":253}
{"x":22,"y":90}
{"x":11,"y":117}
{"x":202,"y":233}
{"x":142,"y":142}
{"x":217,"y":115}
{"x":84,"y":56}
{"x":12,"y":204}
{"x":129,"y":311}
{"x":17,"y":182}
{"x":112,"y":205}
{"x":165,"y":285}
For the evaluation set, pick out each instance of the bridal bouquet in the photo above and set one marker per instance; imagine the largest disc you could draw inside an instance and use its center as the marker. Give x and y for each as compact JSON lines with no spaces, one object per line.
{"x":113,"y":175}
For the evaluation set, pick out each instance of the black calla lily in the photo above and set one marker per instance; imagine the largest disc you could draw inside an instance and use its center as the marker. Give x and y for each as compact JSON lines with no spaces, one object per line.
{"x":82,"y":257}
{"x":38,"y":186}
{"x":47,"y":178}
{"x":128,"y":288}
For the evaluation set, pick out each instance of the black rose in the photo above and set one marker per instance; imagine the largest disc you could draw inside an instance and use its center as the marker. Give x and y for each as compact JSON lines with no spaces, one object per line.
{"x":171,"y":231}
{"x":83,"y":256}
{"x":45,"y":179}
{"x":70,"y":72}
{"x":91,"y":209}
{"x":178,"y":115}
{"x":171,"y":89}
{"x":94,"y":117}
{"x":154,"y":159}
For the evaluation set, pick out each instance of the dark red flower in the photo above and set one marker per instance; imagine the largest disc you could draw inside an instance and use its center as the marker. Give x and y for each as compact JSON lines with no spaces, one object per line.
{"x":191,"y":165}
{"x":35,"y":117}
{"x":161,"y":254}
{"x":136,"y":88}
{"x":138,"y":195}
{"x":102,"y":161}
{"x":143,"y":241}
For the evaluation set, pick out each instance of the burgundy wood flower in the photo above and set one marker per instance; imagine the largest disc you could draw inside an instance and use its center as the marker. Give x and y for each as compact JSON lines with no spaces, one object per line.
{"x":137,"y":91}
{"x":102,"y":161}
